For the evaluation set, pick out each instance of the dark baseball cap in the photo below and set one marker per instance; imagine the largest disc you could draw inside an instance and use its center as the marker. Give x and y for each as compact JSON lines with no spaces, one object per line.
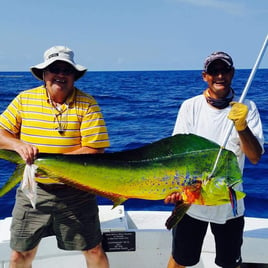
{"x":219,"y":55}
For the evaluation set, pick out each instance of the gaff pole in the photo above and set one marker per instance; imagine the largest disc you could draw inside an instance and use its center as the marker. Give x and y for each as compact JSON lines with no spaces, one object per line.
{"x":243,"y":95}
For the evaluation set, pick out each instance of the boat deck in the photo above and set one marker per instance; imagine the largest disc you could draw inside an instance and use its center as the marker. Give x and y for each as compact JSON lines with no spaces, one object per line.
{"x":140,"y":239}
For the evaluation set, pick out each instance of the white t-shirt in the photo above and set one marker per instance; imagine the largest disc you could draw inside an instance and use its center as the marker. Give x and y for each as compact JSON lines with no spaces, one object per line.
{"x":196,"y":116}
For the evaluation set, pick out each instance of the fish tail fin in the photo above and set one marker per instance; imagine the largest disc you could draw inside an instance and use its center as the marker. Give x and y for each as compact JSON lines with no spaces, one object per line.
{"x":14,"y":179}
{"x":233,"y":200}
{"x":11,"y":156}
{"x":177,"y":214}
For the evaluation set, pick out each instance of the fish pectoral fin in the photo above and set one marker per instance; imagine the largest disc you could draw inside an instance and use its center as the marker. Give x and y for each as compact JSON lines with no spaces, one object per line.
{"x":233,"y":200}
{"x":177,"y":214}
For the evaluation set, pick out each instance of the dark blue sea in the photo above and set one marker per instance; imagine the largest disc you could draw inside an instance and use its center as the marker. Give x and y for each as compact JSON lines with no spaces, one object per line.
{"x":141,"y":107}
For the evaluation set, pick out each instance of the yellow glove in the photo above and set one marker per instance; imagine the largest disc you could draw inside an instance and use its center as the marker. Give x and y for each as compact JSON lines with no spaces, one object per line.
{"x":238,"y":114}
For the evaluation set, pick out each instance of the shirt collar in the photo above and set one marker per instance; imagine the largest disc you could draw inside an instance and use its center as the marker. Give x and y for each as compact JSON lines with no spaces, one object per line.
{"x":70,"y":100}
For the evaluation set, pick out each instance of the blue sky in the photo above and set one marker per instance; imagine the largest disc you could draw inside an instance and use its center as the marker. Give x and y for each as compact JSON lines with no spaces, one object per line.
{"x":133,"y":34}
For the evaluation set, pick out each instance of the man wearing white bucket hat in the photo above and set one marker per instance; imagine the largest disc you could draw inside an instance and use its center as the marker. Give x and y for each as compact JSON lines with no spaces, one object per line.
{"x":54,"y":118}
{"x":58,"y":53}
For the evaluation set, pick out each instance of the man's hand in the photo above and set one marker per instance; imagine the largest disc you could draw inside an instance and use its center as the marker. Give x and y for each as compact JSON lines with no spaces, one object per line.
{"x":9,"y":141}
{"x":27,"y":152}
{"x":173,"y":198}
{"x":238,"y":115}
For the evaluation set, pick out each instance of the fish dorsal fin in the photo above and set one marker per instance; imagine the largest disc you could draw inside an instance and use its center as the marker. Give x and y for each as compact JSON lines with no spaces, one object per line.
{"x":117,"y":200}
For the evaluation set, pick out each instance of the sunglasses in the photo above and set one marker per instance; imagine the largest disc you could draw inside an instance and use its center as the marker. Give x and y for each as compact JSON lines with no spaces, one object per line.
{"x":215,"y":71}
{"x":59,"y":70}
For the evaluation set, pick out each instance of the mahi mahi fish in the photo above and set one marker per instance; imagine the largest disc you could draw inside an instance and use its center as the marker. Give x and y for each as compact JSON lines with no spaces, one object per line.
{"x":180,"y":163}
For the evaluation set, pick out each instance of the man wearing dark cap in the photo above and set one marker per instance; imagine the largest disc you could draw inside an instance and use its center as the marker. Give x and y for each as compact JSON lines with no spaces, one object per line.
{"x":208,"y":115}
{"x":55,"y":117}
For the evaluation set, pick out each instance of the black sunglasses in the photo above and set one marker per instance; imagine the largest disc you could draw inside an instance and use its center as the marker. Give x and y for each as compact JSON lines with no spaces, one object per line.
{"x":59,"y":70}
{"x":215,"y":71}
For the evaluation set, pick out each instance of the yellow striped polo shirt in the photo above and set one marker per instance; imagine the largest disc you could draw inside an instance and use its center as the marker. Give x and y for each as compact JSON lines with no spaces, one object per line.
{"x":78,"y":122}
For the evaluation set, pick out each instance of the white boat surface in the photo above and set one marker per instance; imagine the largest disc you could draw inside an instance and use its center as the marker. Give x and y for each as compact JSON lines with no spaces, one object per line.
{"x":140,"y":239}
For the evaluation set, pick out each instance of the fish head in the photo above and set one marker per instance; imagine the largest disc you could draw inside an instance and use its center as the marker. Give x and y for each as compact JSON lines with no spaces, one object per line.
{"x":216,"y":191}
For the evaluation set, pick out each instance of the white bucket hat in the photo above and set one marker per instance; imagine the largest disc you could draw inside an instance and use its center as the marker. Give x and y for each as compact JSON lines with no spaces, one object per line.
{"x":58,"y":53}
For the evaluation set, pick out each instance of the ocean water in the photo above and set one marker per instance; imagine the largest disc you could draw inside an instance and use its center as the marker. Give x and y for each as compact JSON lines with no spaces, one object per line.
{"x":141,"y":107}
